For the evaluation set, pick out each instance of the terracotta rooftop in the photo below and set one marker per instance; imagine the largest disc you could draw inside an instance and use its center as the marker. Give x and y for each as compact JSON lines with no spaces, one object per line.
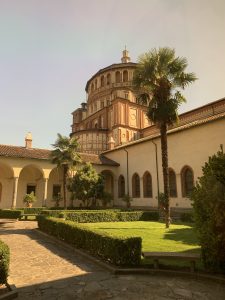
{"x":98,"y":159}
{"x":23,"y":152}
{"x":156,"y":133}
{"x":35,"y":153}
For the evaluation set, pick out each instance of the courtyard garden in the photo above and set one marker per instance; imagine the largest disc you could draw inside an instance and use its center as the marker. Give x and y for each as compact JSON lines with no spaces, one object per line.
{"x":120,"y":237}
{"x":155,"y":237}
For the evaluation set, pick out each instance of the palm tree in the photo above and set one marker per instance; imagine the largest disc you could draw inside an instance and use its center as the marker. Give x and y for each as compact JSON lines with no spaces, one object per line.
{"x":158,"y":79}
{"x":65,"y":156}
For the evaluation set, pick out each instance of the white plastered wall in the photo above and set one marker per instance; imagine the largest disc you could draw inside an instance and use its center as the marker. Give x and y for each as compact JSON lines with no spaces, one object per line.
{"x":190,"y":147}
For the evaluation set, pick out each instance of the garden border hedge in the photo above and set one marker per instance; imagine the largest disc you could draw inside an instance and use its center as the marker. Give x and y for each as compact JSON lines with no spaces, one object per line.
{"x":121,"y":251}
{"x":103,"y":216}
{"x":4,"y":262}
{"x":10,"y":213}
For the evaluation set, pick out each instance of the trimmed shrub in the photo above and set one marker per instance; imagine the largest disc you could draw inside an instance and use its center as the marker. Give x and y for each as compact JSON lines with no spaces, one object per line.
{"x":128,"y":216}
{"x":150,"y":216}
{"x":111,"y":216}
{"x":187,"y":217}
{"x":4,"y":262}
{"x":96,"y":216}
{"x":91,"y":216}
{"x":122,"y":251}
{"x":33,"y":210}
{"x":52,"y":213}
{"x":10,"y":213}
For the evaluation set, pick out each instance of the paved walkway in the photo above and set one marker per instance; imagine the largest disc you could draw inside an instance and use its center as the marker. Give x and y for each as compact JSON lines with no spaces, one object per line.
{"x":43,"y":269}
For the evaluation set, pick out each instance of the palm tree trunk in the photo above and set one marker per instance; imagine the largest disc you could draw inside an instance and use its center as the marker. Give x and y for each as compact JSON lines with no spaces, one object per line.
{"x":64,"y":186}
{"x":164,"y":149}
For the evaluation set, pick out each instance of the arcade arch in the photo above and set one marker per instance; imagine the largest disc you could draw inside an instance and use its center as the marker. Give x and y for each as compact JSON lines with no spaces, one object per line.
{"x":30,"y":180}
{"x":6,"y":185}
{"x":109,"y":181}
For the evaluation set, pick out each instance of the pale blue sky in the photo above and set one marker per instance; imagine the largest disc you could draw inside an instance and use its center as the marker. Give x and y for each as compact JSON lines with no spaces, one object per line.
{"x":50,"y":48}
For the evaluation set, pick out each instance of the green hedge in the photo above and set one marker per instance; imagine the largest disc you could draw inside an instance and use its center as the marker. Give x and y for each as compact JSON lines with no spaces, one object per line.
{"x":122,"y":251}
{"x":111,"y":216}
{"x":4,"y":262}
{"x":103,"y":216}
{"x":187,"y":217}
{"x":63,"y":213}
{"x":137,"y":216}
{"x":52,"y":213}
{"x":33,"y":210}
{"x":91,"y":217}
{"x":10,"y":213}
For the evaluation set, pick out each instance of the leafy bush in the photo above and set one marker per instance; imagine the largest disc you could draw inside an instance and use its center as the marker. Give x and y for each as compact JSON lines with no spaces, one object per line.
{"x":10,"y":213}
{"x":4,"y":262}
{"x":119,"y":251}
{"x":209,"y":211}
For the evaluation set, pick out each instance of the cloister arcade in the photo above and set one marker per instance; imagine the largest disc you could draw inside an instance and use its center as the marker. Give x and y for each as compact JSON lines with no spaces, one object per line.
{"x":19,"y":177}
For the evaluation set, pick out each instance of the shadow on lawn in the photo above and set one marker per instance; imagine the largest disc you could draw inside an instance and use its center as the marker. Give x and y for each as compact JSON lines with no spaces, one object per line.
{"x":185,"y":235}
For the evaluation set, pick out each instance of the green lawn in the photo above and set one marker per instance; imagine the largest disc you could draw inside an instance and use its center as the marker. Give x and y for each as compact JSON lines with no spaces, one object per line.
{"x":155,"y":237}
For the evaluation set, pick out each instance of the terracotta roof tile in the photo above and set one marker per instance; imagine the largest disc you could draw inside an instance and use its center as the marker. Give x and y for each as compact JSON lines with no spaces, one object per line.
{"x":98,"y":159}
{"x":23,"y":152}
{"x":35,"y":153}
{"x":172,"y":130}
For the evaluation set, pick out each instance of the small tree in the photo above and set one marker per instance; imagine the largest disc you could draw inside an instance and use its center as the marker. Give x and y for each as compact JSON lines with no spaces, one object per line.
{"x":87,"y":185}
{"x":29,"y":199}
{"x":209,"y":211}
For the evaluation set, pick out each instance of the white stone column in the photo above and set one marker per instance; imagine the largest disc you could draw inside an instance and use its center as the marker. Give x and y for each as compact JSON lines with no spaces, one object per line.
{"x":141,"y":187}
{"x":15,"y":189}
{"x":45,"y":192}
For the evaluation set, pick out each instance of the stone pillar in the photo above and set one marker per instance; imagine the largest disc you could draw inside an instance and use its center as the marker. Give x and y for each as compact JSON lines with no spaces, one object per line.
{"x":15,"y":189}
{"x":45,"y":192}
{"x":179,"y":198}
{"x":141,"y":187}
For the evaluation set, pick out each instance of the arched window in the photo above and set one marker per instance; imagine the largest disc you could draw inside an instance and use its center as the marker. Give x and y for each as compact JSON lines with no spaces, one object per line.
{"x":92,"y":87}
{"x":172,"y":183}
{"x":187,"y":178}
{"x":102,"y":81}
{"x":125,"y":76}
{"x":0,"y":191}
{"x":135,"y":186}
{"x":108,"y":79}
{"x":121,"y":186}
{"x":118,"y":77}
{"x":147,"y":185}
